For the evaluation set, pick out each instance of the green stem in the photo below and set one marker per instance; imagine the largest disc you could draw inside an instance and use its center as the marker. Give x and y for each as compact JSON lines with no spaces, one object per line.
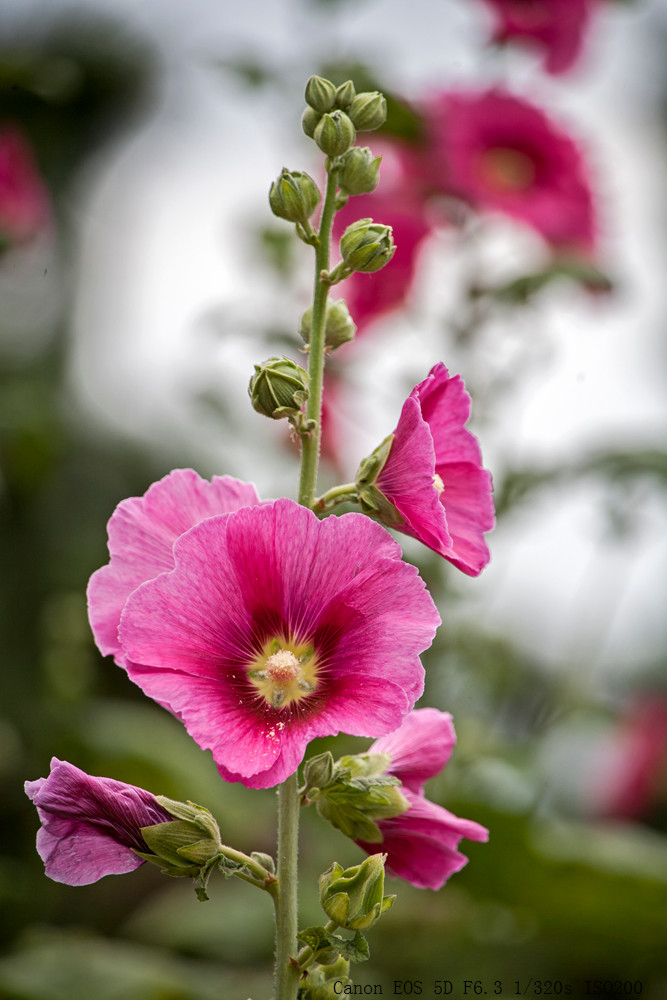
{"x":286,"y":969}
{"x":346,"y":493}
{"x":310,"y":447}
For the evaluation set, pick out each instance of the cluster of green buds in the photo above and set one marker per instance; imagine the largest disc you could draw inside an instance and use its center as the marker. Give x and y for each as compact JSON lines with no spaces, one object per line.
{"x":335,"y":114}
{"x":353,"y":793}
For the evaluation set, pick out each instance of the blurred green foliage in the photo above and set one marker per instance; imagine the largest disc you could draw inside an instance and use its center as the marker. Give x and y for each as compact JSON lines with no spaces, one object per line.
{"x":551,"y":896}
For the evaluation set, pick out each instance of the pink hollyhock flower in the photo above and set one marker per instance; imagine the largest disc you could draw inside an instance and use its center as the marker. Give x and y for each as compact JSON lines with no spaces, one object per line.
{"x":433,"y":474}
{"x":500,"y":153}
{"x":557,"y":27}
{"x":91,"y":827}
{"x":142,"y":532}
{"x":24,"y":204}
{"x":636,"y":783}
{"x":421,"y":844}
{"x":272,"y":628}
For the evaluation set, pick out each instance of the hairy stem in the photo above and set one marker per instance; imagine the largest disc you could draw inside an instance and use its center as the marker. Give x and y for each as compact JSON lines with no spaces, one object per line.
{"x":286,"y":969}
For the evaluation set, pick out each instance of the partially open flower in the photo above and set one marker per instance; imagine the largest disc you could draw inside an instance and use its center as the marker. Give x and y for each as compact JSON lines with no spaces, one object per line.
{"x":430,"y":473}
{"x":421,"y":843}
{"x":91,"y":826}
{"x":273,"y":628}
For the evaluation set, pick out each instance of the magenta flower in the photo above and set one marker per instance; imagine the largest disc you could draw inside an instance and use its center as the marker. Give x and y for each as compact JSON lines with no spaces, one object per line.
{"x":91,"y":827}
{"x":558,"y":27}
{"x":500,"y":153}
{"x":142,"y":532}
{"x":421,"y":844}
{"x":271,"y":628}
{"x":24,"y":203}
{"x":433,"y":475}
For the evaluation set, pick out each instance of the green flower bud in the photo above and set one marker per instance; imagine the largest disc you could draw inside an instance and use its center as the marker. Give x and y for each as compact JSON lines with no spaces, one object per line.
{"x":345,"y":94}
{"x":368,"y":111}
{"x":326,"y":982}
{"x":339,"y":327}
{"x":334,"y":133}
{"x":294,"y":196}
{"x":353,"y":898}
{"x":279,"y":388}
{"x":309,"y":121}
{"x":320,"y":94}
{"x":318,"y":771}
{"x":185,"y":845}
{"x":367,"y":246}
{"x":359,"y":793}
{"x":360,"y":171}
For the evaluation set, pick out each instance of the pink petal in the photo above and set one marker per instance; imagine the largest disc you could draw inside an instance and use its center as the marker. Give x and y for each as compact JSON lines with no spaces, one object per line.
{"x":420,"y":748}
{"x":142,"y":531}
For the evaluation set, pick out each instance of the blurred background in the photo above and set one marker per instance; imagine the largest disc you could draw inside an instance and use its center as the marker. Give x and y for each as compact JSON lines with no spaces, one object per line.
{"x":142,"y":275}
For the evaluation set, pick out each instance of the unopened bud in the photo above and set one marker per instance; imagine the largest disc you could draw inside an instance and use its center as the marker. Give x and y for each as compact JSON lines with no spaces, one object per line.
{"x":279,"y":388}
{"x":353,"y":898}
{"x":334,"y":133}
{"x":368,"y":111}
{"x":367,"y":246}
{"x":294,"y":196}
{"x":345,"y":94}
{"x":339,"y":327}
{"x":360,"y":171}
{"x":320,"y":94}
{"x":309,"y":121}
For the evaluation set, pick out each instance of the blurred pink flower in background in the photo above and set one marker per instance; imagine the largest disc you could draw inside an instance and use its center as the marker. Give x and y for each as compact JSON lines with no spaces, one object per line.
{"x":557,"y":27}
{"x":91,"y":827}
{"x":500,"y":153}
{"x":635,"y":785}
{"x":434,"y":475}
{"x":421,"y":843}
{"x":24,"y":202}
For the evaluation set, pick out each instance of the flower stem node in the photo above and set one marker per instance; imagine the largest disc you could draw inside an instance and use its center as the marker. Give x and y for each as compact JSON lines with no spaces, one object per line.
{"x":366,"y":246}
{"x":339,"y":327}
{"x":334,"y":133}
{"x":279,"y":388}
{"x":353,"y":897}
{"x":368,"y":111}
{"x":359,"y":171}
{"x":321,"y":94}
{"x":294,"y":196}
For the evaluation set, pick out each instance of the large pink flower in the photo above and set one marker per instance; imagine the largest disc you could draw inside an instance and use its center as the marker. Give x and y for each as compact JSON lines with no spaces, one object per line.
{"x":434,"y":477}
{"x":273,"y":628}
{"x":421,"y":844}
{"x":24,"y":203}
{"x":558,"y":27}
{"x":91,"y":827}
{"x":142,"y":532}
{"x":500,"y":153}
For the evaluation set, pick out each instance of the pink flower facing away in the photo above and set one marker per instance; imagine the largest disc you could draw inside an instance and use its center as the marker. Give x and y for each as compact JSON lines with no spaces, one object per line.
{"x":91,"y":826}
{"x":421,"y":844}
{"x":500,"y":153}
{"x":24,"y":203}
{"x":558,"y":27}
{"x":269,"y":628}
{"x":434,"y":475}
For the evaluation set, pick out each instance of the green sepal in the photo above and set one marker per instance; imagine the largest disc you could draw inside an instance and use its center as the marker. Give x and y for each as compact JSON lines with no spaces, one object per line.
{"x":174,"y":843}
{"x":265,"y":860}
{"x":353,"y":897}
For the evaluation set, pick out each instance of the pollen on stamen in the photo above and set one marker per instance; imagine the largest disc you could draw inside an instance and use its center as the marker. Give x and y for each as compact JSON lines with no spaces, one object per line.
{"x":283,"y":666}
{"x":438,"y":483}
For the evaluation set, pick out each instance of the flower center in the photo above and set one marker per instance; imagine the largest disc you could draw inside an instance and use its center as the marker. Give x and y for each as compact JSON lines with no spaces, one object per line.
{"x":438,"y":483}
{"x":285,"y":671}
{"x":507,"y":169}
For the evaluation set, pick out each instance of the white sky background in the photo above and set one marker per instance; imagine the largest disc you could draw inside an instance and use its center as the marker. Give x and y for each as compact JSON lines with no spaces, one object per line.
{"x":161,"y":250}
